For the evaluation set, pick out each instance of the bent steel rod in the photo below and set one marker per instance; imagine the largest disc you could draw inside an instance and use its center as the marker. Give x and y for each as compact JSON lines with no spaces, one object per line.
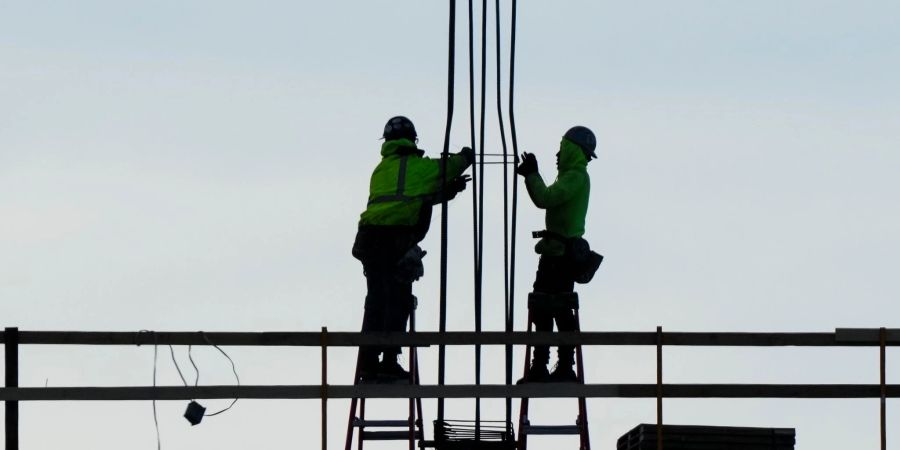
{"x":442,"y":321}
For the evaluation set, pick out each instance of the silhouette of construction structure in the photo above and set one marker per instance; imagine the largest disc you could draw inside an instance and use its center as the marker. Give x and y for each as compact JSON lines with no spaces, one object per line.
{"x":880,"y":338}
{"x":478,"y":433}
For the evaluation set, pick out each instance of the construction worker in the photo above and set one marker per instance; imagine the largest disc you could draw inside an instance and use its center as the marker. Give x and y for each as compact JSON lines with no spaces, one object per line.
{"x":565,"y":256}
{"x":403,"y":188}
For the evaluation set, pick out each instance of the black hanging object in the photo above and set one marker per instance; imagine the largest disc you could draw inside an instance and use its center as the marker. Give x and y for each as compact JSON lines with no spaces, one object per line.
{"x":194,"y":413}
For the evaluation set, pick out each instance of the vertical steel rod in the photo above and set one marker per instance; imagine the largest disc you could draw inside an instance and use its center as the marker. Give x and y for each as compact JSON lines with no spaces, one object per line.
{"x":442,"y":321}
{"x":882,"y":338}
{"x":11,"y":338}
{"x":659,"y":390}
{"x":515,"y":184}
{"x":508,"y":322}
{"x":324,"y":342}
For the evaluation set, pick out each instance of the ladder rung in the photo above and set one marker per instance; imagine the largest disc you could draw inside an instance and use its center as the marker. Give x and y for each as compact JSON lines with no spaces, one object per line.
{"x":388,"y":435}
{"x":552,"y":429}
{"x":380,"y":423}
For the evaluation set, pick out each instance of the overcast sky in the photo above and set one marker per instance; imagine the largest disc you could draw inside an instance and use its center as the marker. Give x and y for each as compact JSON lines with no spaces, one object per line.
{"x":201,"y":165}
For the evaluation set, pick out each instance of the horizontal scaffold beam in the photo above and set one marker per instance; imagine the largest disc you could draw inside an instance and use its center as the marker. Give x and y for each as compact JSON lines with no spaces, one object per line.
{"x":543,"y":390}
{"x":840,"y":338}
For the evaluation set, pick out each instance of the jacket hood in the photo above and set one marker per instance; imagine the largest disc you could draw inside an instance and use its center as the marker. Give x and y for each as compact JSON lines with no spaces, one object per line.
{"x":571,"y":156}
{"x":399,"y":146}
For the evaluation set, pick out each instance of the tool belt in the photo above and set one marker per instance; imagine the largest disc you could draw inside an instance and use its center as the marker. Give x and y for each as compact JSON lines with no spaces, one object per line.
{"x":390,"y":246}
{"x":383,"y":244}
{"x":585,"y":261}
{"x":544,"y":302}
{"x":410,"y":267}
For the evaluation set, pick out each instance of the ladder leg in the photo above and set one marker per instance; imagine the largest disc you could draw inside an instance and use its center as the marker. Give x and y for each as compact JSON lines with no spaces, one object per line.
{"x":523,"y":424}
{"x":582,"y":402}
{"x":349,"y":442}
{"x":528,"y":348}
{"x":583,"y":424}
{"x":523,"y":408}
{"x":353,"y":403}
{"x":419,"y":417}
{"x":412,"y":429}
{"x":411,"y":418}
{"x":362,"y":417}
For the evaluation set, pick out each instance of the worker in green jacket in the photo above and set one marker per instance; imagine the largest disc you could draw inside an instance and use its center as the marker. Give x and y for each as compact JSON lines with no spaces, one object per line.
{"x":402,"y":190}
{"x":566,"y":203}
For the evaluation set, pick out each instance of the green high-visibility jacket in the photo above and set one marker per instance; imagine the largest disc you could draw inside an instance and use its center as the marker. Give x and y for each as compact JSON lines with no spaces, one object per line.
{"x":566,"y":200}
{"x":403,"y":181}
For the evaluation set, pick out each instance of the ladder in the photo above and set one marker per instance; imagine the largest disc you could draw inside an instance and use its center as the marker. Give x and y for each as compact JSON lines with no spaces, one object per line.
{"x":413,"y":423}
{"x":580,"y":428}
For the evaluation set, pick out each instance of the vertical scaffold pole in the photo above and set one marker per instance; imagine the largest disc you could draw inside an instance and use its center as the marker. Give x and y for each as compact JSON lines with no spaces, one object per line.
{"x":11,"y":339}
{"x":659,"y":389}
{"x":323,"y":340}
{"x":882,"y":337}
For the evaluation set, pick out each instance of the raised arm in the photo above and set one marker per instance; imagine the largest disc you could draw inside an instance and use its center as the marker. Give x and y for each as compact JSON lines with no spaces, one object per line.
{"x":562,"y":190}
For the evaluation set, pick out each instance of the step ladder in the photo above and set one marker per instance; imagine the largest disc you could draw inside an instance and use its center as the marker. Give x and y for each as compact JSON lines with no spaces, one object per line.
{"x":388,"y":430}
{"x":580,"y":428}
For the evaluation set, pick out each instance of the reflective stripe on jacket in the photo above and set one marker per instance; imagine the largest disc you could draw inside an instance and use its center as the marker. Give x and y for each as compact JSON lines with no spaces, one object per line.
{"x":403,"y":181}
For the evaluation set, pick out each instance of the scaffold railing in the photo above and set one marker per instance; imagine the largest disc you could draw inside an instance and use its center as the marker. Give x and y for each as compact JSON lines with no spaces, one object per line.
{"x":12,"y":338}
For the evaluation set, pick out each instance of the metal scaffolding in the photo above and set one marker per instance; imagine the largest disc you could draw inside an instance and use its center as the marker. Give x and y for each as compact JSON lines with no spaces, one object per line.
{"x":13,"y":338}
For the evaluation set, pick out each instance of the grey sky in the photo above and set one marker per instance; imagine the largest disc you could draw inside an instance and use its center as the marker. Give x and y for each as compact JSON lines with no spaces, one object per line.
{"x":201,"y":165}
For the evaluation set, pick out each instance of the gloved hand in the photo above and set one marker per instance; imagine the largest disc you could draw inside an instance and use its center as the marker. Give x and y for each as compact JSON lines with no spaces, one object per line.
{"x":453,"y":187}
{"x":468,"y":154}
{"x":458,"y":184}
{"x":528,"y":166}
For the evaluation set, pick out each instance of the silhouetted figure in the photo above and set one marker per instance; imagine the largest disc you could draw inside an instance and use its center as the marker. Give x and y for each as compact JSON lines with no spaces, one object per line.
{"x":403,"y":188}
{"x":564,"y":254}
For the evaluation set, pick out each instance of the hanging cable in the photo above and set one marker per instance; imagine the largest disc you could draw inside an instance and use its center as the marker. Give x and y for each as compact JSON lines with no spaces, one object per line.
{"x":233,"y":370}
{"x":196,"y":370}
{"x":155,"y":418}
{"x":177,"y":368}
{"x":153,"y":401}
{"x":442,"y":326}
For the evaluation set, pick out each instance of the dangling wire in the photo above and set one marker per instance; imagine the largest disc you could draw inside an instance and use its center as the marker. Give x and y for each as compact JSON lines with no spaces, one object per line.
{"x":155,"y":418}
{"x":178,"y":368}
{"x":196,"y":370}
{"x":155,"y":358}
{"x":442,"y":326}
{"x":233,"y":370}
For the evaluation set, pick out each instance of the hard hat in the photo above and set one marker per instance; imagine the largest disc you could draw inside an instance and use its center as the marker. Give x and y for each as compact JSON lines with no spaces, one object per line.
{"x":399,"y":127}
{"x":585,"y":139}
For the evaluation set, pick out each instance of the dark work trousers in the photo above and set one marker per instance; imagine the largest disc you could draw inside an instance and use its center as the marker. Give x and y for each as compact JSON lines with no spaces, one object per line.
{"x":388,"y":306}
{"x":554,"y":276}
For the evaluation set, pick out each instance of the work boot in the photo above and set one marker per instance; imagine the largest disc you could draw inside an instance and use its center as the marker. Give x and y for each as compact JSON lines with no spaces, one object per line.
{"x":390,"y":370}
{"x":563,"y":373}
{"x":536,"y":374}
{"x":368,"y":369}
